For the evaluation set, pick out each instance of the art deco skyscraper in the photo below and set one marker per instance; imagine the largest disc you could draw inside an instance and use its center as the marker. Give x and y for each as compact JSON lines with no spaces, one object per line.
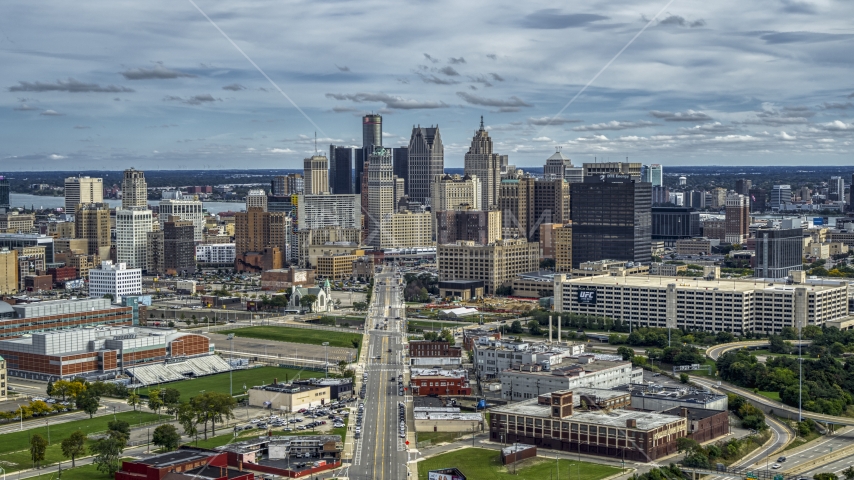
{"x":380,"y":195}
{"x":134,"y":190}
{"x":486,"y":165}
{"x":426,"y":161}
{"x":316,"y":172}
{"x":372,"y":131}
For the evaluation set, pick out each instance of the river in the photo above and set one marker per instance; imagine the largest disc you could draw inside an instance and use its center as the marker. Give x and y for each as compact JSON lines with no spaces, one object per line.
{"x":38,"y":201}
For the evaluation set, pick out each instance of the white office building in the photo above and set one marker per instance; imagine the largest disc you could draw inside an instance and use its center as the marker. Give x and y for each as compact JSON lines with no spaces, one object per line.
{"x":256,"y":197}
{"x":132,"y":228}
{"x":320,"y":211}
{"x":114,"y":279}
{"x":187,"y":208}
{"x":223,"y":253}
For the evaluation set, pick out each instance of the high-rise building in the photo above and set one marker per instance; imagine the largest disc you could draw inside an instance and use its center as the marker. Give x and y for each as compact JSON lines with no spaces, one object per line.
{"x":758,"y":199}
{"x":743,"y":186}
{"x":260,"y":239}
{"x":319,"y":211}
{"x":718,"y":198}
{"x":481,"y":227}
{"x":188,"y":208}
{"x":380,"y":196}
{"x":23,"y":240}
{"x":400,"y":162}
{"x":82,"y":190}
{"x":426,"y":161}
{"x":560,"y":166}
{"x":132,"y":228}
{"x":836,"y":189}
{"x":653,"y":174}
{"x":482,"y":162}
{"x":516,"y":200}
{"x":805,"y":194}
{"x":737,"y":218}
{"x":290,"y":184}
{"x":114,"y":279}
{"x":613,"y":168}
{"x":452,"y":192}
{"x":496,"y":264}
{"x":155,"y":253}
{"x":8,"y":271}
{"x":256,"y":198}
{"x":563,"y":248}
{"x":407,"y":229}
{"x":92,"y":222}
{"x":778,"y":252}
{"x":340,"y":170}
{"x":611,"y":219}
{"x":15,"y":222}
{"x":134,"y":189}
{"x":4,"y":193}
{"x":179,"y":247}
{"x":372,"y":131}
{"x":781,"y":195}
{"x":399,"y":191}
{"x":696,"y":199}
{"x":316,"y":171}
{"x":669,"y":224}
{"x":551,"y":205}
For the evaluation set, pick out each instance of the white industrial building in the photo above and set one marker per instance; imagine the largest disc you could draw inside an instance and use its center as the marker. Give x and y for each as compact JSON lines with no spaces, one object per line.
{"x":132,"y":228}
{"x":223,"y":253}
{"x":492,"y":356}
{"x":319,"y":211}
{"x":114,"y":279}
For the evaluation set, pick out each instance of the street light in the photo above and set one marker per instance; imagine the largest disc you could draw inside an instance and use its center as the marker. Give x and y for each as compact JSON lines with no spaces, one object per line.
{"x":326,"y":365}
{"x":230,"y":338}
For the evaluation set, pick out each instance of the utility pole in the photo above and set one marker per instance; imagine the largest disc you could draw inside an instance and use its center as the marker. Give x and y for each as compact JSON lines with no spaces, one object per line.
{"x":230,"y":338}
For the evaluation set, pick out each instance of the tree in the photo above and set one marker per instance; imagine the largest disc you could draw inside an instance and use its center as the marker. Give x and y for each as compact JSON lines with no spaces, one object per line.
{"x":38,"y":446}
{"x":360,"y":306}
{"x":171,"y":399}
{"x":88,"y":401}
{"x":107,"y":452}
{"x":167,"y":437}
{"x":50,"y":387}
{"x":307,"y":301}
{"x":74,"y":446}
{"x":120,"y":426}
{"x":683,"y":377}
{"x":189,"y":419}
{"x":516,"y":327}
{"x":534,"y":328}
{"x":686,"y":445}
{"x":447,"y":336}
{"x":825,"y":476}
{"x":627,"y":353}
{"x":134,"y":399}
{"x":848,"y":473}
{"x":155,"y":400}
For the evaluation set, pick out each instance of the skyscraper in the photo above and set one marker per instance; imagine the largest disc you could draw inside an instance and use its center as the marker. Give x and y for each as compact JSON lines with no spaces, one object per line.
{"x":778,"y":251}
{"x":134,"y":192}
{"x":743,"y":186}
{"x":92,"y":222}
{"x":400,"y":161}
{"x":619,"y":168}
{"x":380,"y":196}
{"x":256,"y":197}
{"x":737,"y":218}
{"x":340,"y":170}
{"x":560,"y":166}
{"x":188,"y":208}
{"x":486,"y":165}
{"x":289,"y":184}
{"x":316,"y":172}
{"x":836,"y":189}
{"x":611,"y":219}
{"x":372,"y":131}
{"x":426,"y":160}
{"x":653,"y":174}
{"x":179,"y":248}
{"x":82,"y":190}
{"x":781,"y":195}
{"x":132,"y":228}
{"x":4,"y":193}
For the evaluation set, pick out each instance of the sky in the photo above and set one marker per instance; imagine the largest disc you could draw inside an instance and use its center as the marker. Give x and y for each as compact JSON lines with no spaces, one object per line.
{"x":213,"y":84}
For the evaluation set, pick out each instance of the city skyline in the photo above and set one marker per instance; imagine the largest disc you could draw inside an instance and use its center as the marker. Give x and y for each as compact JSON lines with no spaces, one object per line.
{"x":156,"y":86}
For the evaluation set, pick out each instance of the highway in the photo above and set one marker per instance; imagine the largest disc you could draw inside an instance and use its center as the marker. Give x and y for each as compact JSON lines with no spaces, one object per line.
{"x":380,"y":453}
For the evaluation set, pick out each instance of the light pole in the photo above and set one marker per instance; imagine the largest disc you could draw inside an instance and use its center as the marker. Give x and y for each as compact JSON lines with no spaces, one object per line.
{"x":230,"y":338}
{"x":326,"y":364}
{"x":21,"y":416}
{"x":47,"y":422}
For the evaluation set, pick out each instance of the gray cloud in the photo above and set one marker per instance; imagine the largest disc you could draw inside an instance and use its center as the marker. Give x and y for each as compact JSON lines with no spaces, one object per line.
{"x":796,"y":6}
{"x":542,"y":121}
{"x":708,"y":128}
{"x":492,"y":102}
{"x":194,"y":100}
{"x":493,"y":56}
{"x":679,"y":21}
{"x":496,"y":77}
{"x":234,"y":87}
{"x":836,"y":105}
{"x":797,"y":115}
{"x":481,"y":79}
{"x":689,"y":116}
{"x":345,"y":68}
{"x":449,"y":71}
{"x":157,"y":72}
{"x":390,"y":101}
{"x":428,"y":57}
{"x":81,"y":127}
{"x":343,"y":109}
{"x":613,"y":125}
{"x":551,"y":18}
{"x":70,"y":85}
{"x":456,"y":61}
{"x":775,"y":38}
{"x":51,"y":113}
{"x":435,"y":80}
{"x":24,"y":108}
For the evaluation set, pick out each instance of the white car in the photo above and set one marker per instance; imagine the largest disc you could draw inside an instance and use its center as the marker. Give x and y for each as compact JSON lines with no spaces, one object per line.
{"x":776,"y":466}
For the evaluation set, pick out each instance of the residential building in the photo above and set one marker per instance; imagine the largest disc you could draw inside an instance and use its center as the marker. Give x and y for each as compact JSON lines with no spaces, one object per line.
{"x":115,"y":280}
{"x":714,"y":229}
{"x":83,"y":263}
{"x":406,"y":229}
{"x":426,"y":161}
{"x":483,"y":163}
{"x":340,"y":170}
{"x":321,"y":211}
{"x":8,"y":272}
{"x":613,"y":168}
{"x":434,"y":353}
{"x":132,"y":227}
{"x":380,"y":195}
{"x":669,"y":224}
{"x":737,"y":218}
{"x":453,"y":192}
{"x":496,"y":263}
{"x":475,"y":225}
{"x":316,"y":171}
{"x":82,"y":190}
{"x":134,"y":189}
{"x":778,"y":252}
{"x":335,"y":267}
{"x":260,"y":232}
{"x":611,"y":219}
{"x":92,"y":222}
{"x":660,"y":196}
{"x":781,"y":195}
{"x":179,"y":250}
{"x":15,"y":222}
{"x":737,"y":306}
{"x":190,"y":209}
{"x":216,"y":254}
{"x":256,"y":197}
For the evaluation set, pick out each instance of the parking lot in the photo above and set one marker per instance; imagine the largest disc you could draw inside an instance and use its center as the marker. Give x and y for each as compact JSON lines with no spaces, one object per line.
{"x":320,"y":420}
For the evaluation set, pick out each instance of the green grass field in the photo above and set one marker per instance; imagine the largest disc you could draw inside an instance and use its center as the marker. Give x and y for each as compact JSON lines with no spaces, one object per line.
{"x":483,"y":464}
{"x":298,"y":335}
{"x":14,"y":447}
{"x":435,"y":325}
{"x":438,"y":437}
{"x":220,"y":382}
{"x":772,"y":395}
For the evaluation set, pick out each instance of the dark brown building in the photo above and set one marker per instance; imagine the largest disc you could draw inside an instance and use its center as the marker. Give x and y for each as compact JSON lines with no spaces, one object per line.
{"x":703,"y":424}
{"x":426,"y":349}
{"x":259,"y":239}
{"x":481,"y":227}
{"x":179,"y":247}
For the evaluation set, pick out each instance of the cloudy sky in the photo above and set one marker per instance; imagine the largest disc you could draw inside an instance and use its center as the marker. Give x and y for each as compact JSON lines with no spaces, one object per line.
{"x":112,"y":84}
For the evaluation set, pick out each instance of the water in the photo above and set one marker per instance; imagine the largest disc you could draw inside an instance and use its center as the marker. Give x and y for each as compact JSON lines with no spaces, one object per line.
{"x":38,"y":201}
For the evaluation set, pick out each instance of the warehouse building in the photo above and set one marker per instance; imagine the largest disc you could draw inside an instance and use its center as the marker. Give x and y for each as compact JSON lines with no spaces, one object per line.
{"x":287,"y":397}
{"x":585,"y":371}
{"x":28,"y":318}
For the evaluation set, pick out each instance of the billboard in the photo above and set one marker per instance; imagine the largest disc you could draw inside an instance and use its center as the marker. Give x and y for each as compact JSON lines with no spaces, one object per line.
{"x":74,"y":284}
{"x":586,"y":295}
{"x":445,"y":474}
{"x":818,"y":221}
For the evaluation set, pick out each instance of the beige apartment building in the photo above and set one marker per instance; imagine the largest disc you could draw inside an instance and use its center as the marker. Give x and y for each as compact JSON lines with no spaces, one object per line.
{"x":452,"y":192}
{"x":695,"y":246}
{"x":496,"y":264}
{"x":407,"y":230}
{"x":335,"y":267}
{"x":82,"y":190}
{"x":563,"y":248}
{"x":92,"y":222}
{"x":14,"y":222}
{"x":8,"y":271}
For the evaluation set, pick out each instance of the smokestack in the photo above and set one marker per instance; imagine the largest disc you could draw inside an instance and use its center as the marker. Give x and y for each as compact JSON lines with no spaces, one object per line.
{"x":275,"y":381}
{"x":550,"y":329}
{"x":559,"y":338}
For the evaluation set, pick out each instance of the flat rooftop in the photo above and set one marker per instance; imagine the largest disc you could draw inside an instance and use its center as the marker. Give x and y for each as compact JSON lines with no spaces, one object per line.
{"x":570,"y":363}
{"x":458,"y":416}
{"x":678,"y":394}
{"x":693,"y":412}
{"x":613,"y":418}
{"x":655,"y":281}
{"x":175,"y":458}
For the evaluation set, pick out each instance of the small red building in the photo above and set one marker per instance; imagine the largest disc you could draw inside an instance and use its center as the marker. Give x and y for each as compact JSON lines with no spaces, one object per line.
{"x":438,"y":384}
{"x":61,"y":275}
{"x":184,"y":464}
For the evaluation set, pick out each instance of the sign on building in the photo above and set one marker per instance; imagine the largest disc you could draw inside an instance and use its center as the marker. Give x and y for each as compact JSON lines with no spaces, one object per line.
{"x":586,"y":296}
{"x":445,"y":474}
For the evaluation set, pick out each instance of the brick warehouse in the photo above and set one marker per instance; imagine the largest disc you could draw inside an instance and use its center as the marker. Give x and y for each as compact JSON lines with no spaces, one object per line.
{"x":18,"y":320}
{"x":97,"y":351}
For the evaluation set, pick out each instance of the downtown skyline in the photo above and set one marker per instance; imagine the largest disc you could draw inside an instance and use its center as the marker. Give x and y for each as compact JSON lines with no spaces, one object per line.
{"x":156,"y":86}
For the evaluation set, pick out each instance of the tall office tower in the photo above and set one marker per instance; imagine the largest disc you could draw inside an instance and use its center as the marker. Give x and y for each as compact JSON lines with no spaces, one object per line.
{"x":4,"y":193}
{"x":316,"y":171}
{"x":132,"y":228}
{"x":611,"y":219}
{"x":660,"y":195}
{"x":516,"y":201}
{"x":480,"y":161}
{"x":806,"y":194}
{"x":82,"y":190}
{"x":92,"y":222}
{"x":563,"y":248}
{"x":8,"y":271}
{"x":453,"y":192}
{"x":551,"y":205}
{"x":256,"y":198}
{"x":696,"y":199}
{"x":372,"y":131}
{"x":779,"y":251}
{"x":426,"y":160}
{"x":340,"y":170}
{"x":320,"y":211}
{"x":781,"y":195}
{"x":560,"y":166}
{"x":743,"y":186}
{"x":360,"y":159}
{"x":289,"y":184}
{"x":188,"y":208}
{"x":179,"y":246}
{"x":653,"y":174}
{"x":399,"y":191}
{"x":737,"y":218}
{"x":477,"y":226}
{"x":400,"y":160}
{"x":134,"y":190}
{"x":758,"y":199}
{"x":611,"y":168}
{"x":260,"y":239}
{"x":836,"y":189}
{"x":718,"y":197}
{"x":380,"y":196}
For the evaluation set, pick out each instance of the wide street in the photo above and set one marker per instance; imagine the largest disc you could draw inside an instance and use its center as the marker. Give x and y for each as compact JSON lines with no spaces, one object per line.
{"x":380,"y":453}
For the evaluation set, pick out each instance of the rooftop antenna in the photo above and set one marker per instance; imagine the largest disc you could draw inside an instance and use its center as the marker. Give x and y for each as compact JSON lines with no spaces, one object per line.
{"x":315,"y":142}
{"x":481,"y":122}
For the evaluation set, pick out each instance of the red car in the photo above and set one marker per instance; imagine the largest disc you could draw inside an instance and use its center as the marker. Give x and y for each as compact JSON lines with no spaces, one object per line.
{"x":301,"y":410}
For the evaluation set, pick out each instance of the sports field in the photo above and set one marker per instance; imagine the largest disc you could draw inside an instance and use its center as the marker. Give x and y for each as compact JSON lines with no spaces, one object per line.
{"x":299,"y":335}
{"x":220,"y":382}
